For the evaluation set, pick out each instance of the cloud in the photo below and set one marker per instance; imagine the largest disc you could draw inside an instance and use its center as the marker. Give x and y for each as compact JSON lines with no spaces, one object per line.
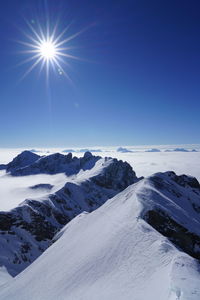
{"x":14,"y":190}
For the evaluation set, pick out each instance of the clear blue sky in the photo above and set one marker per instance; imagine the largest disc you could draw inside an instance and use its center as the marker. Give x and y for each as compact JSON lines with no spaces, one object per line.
{"x":139,"y":82}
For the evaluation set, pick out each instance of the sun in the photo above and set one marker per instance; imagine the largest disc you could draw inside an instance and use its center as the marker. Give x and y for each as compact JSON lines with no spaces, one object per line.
{"x":47,"y":50}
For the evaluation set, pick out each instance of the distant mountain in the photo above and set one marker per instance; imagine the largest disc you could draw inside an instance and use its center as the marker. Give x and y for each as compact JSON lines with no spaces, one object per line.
{"x":123,"y":150}
{"x":90,"y":150}
{"x":22,"y":160}
{"x":181,"y":150}
{"x":132,"y":247}
{"x":28,"y":163}
{"x":68,"y":151}
{"x":153,"y":150}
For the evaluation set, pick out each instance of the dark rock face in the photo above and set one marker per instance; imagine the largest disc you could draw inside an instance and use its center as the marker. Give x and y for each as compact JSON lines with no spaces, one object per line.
{"x":58,"y":163}
{"x":22,"y":160}
{"x":27,"y":230}
{"x":184,"y":180}
{"x":45,"y":186}
{"x":175,"y":211}
{"x":187,"y":241}
{"x":3,"y":167}
{"x":117,"y":176}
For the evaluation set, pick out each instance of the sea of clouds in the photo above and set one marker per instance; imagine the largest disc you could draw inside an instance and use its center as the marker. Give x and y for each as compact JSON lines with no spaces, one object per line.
{"x":145,"y":160}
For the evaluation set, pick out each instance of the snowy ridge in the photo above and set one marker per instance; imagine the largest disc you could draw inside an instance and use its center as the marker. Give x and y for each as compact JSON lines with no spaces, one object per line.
{"x":106,"y":234}
{"x":27,"y":230}
{"x":172,"y":206}
{"x":111,"y":253}
{"x":51,"y":164}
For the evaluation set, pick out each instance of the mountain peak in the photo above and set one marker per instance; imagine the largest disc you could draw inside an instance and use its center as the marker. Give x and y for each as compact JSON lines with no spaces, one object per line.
{"x":22,"y":160}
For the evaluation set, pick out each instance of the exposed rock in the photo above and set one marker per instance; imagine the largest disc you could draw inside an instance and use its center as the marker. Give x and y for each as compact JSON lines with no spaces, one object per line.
{"x":172,"y":207}
{"x":58,"y":163}
{"x":22,"y":160}
{"x":3,"y":167}
{"x":45,"y":186}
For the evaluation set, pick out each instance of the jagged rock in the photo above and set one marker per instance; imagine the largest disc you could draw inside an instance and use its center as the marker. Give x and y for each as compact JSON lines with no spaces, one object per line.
{"x":3,"y":167}
{"x":45,"y":186}
{"x":118,"y":176}
{"x":173,"y":209}
{"x":58,"y":163}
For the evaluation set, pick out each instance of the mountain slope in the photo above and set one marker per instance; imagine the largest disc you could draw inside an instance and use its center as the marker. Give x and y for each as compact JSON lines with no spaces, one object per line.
{"x":27,"y":230}
{"x":113,"y":253}
{"x":22,"y":160}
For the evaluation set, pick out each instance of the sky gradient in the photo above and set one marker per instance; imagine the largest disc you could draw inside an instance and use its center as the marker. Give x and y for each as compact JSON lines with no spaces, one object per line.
{"x":138,"y":82}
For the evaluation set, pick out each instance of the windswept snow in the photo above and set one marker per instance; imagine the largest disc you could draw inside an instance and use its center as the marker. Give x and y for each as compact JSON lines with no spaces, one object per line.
{"x":110,"y":253}
{"x":4,"y":276}
{"x":129,"y":248}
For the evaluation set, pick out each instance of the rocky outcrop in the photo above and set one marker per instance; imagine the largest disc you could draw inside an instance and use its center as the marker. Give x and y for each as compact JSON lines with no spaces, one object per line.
{"x":44,"y":186}
{"x":172,"y":207}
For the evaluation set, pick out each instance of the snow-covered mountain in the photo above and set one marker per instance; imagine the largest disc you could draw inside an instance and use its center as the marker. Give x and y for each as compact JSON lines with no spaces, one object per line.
{"x":20,"y":161}
{"x":28,"y":163}
{"x":27,"y":230}
{"x":114,"y":253}
{"x":109,"y":234}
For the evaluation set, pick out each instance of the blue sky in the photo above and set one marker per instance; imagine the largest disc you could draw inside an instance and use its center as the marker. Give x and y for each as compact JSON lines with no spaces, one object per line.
{"x":138,"y":82}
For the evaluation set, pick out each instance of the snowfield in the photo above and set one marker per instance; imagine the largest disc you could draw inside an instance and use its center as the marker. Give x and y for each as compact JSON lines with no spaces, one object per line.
{"x":110,"y":253}
{"x":126,"y":237}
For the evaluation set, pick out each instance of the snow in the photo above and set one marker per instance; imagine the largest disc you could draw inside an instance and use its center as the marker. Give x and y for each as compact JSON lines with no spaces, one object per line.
{"x":14,"y":190}
{"x":4,"y":276}
{"x":110,"y":253}
{"x":147,"y":163}
{"x":144,"y":163}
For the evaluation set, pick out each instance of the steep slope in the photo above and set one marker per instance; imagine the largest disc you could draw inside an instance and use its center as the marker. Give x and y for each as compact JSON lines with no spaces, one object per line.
{"x":172,"y":206}
{"x":113,"y":253}
{"x":27,"y":230}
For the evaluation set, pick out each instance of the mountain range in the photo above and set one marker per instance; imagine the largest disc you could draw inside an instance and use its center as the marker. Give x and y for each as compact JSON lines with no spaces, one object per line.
{"x":106,"y":234}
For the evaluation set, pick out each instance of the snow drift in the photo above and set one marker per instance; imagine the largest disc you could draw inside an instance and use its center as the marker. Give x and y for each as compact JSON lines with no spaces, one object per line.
{"x":106,"y":234}
{"x":111,"y":253}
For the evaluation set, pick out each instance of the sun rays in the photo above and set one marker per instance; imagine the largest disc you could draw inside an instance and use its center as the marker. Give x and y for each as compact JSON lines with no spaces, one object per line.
{"x":48,"y":49}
